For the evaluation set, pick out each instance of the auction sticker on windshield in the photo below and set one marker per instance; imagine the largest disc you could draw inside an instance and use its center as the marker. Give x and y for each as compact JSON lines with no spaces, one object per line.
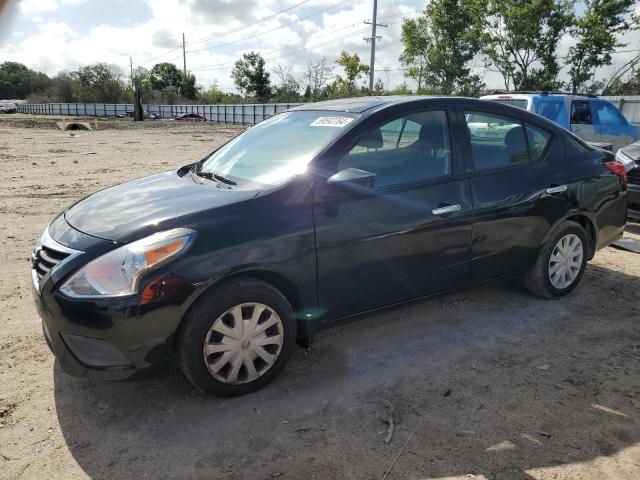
{"x":331,"y":122}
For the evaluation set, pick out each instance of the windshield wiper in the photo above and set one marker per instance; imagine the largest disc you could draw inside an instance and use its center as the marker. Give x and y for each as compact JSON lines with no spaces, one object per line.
{"x":215,"y":176}
{"x":222,"y":179}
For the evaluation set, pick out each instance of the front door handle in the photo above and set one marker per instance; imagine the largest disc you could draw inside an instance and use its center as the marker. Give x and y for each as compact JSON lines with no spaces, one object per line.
{"x":446,"y":209}
{"x":557,"y":189}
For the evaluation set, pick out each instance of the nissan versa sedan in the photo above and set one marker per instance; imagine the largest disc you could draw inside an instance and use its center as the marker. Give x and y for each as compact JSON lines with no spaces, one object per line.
{"x":320,"y":213}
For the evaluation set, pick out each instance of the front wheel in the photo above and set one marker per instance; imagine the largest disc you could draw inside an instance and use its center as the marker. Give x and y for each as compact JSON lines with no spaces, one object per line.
{"x":561,"y":262}
{"x":237,"y":338}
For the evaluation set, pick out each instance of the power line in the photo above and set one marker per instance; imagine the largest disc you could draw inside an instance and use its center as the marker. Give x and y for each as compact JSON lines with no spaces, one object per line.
{"x":288,"y":51}
{"x":237,"y":29}
{"x":152,"y":59}
{"x":300,"y":44}
{"x":272,"y":29}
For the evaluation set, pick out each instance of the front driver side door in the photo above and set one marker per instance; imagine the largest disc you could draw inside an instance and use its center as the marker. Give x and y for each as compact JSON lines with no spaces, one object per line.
{"x":394,"y":241}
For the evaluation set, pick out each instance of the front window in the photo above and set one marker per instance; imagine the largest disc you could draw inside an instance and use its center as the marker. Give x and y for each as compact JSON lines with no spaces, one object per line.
{"x":411,"y":148}
{"x":277,"y":149}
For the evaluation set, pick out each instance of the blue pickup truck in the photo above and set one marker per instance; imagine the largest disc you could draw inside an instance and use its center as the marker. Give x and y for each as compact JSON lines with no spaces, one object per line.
{"x":593,"y":119}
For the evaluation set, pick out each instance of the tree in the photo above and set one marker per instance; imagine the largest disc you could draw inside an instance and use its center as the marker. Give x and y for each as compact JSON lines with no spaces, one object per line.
{"x":99,"y":83}
{"x":165,"y":75}
{"x":596,"y":32}
{"x":520,"y":38}
{"x":251,"y":78}
{"x":188,"y":88}
{"x":345,"y":87}
{"x":18,"y":82}
{"x":63,"y":88}
{"x":617,"y":86}
{"x":439,"y":44}
{"x":317,"y":77}
{"x":288,"y":88}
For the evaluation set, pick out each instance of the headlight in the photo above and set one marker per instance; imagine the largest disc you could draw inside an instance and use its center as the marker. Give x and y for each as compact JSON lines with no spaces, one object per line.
{"x":118,"y":273}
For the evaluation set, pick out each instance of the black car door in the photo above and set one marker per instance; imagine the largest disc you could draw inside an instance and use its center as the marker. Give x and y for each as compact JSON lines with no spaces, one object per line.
{"x":404,"y":234}
{"x":518,"y":188}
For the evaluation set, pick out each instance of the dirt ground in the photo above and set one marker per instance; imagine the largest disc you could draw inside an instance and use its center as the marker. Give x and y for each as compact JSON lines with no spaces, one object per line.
{"x":485,"y":383}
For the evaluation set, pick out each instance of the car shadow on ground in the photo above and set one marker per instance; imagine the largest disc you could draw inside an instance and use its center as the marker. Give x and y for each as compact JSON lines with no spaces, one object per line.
{"x":487,"y":381}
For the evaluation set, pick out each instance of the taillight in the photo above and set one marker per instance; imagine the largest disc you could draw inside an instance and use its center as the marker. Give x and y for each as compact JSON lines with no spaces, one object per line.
{"x":619,"y":170}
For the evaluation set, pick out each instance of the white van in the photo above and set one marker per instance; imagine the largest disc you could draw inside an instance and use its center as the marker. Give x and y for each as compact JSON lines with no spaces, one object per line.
{"x":8,"y":108}
{"x":590,"y":118}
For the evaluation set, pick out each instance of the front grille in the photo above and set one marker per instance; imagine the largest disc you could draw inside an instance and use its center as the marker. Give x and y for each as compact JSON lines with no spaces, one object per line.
{"x":48,"y":255}
{"x":45,"y":259}
{"x":634,"y":174}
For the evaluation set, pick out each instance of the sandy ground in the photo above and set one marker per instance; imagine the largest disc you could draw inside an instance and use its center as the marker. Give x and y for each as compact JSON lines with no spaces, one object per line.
{"x":488,"y":382}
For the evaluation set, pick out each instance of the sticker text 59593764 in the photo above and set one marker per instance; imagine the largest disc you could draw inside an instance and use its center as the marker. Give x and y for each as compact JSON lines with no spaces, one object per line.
{"x":331,"y":122}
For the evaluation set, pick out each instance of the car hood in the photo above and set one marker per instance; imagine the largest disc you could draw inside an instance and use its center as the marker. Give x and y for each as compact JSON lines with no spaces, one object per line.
{"x":147,"y":205}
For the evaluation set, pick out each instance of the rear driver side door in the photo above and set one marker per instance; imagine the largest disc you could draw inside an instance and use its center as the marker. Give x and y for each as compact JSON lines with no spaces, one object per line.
{"x":518,"y":188}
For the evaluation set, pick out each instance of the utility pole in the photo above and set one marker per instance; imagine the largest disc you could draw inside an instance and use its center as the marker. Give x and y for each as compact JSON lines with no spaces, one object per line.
{"x":184,"y":58}
{"x":373,"y":38}
{"x":131,"y":69}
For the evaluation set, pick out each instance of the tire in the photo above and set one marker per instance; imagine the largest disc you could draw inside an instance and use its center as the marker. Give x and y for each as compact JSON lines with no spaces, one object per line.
{"x":232,"y":347}
{"x":541,"y":279}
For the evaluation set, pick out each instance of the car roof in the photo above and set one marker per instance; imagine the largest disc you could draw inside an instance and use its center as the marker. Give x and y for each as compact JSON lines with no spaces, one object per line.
{"x":520,"y":95}
{"x":361,"y":104}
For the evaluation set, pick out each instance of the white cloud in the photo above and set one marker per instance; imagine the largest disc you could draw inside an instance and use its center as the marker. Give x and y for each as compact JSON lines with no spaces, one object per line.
{"x":39,"y":7}
{"x":211,"y":50}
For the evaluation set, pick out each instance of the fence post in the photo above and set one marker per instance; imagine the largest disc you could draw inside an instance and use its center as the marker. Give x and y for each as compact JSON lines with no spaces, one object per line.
{"x":620,"y":104}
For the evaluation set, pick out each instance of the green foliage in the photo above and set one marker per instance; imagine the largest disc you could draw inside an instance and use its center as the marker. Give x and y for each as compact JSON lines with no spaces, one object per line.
{"x":188,"y":88}
{"x":596,"y":32}
{"x":98,"y":83}
{"x":629,"y":87}
{"x":165,"y":75}
{"x":520,"y":38}
{"x":353,"y":69}
{"x":439,"y":44}
{"x":215,"y":96}
{"x":251,"y":78}
{"x":18,"y":82}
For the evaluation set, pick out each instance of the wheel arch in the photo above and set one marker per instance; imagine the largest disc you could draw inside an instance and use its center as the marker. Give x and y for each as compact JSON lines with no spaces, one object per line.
{"x":278,"y":281}
{"x":589,"y":227}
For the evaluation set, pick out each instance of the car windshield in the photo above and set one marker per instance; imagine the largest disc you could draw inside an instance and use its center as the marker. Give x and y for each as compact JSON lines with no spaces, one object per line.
{"x":277,"y":149}
{"x":520,"y":103}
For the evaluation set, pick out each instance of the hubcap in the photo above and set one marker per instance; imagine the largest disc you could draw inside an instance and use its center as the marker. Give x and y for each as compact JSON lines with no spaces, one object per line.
{"x":243,"y":343}
{"x":565,"y":261}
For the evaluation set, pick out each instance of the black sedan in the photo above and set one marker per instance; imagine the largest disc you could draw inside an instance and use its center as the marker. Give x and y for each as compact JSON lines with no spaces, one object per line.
{"x":320,"y":213}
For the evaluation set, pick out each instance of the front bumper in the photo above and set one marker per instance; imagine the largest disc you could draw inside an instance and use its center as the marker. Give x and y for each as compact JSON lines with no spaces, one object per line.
{"x":109,"y":339}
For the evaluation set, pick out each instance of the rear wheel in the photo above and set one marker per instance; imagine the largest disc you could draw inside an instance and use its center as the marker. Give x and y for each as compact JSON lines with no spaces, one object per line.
{"x":236,"y":339}
{"x":561,"y":262}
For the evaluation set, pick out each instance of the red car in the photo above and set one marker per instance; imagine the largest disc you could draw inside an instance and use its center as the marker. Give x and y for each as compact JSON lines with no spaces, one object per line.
{"x":192,"y":117}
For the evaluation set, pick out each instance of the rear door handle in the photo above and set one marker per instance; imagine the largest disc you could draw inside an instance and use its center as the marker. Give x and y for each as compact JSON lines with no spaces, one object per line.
{"x":446,"y":209}
{"x":557,"y":189}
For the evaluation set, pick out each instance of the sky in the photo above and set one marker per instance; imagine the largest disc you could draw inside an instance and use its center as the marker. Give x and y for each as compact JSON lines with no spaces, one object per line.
{"x":55,"y":35}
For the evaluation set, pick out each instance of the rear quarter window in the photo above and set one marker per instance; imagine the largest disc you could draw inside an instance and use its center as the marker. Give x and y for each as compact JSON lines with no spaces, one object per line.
{"x":539,"y":140}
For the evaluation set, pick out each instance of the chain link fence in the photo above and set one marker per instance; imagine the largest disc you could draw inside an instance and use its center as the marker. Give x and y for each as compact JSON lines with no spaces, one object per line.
{"x":241,"y":114}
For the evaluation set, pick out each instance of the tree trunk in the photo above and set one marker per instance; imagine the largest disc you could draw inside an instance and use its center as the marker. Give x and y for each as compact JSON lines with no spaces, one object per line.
{"x":138,"y":113}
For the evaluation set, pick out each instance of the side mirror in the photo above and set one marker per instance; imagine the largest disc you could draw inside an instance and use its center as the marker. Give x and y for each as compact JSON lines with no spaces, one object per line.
{"x":352,"y":179}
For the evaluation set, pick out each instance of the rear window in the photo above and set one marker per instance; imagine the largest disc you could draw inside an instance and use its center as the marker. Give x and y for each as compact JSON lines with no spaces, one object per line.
{"x":520,"y":103}
{"x":496,"y":140}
